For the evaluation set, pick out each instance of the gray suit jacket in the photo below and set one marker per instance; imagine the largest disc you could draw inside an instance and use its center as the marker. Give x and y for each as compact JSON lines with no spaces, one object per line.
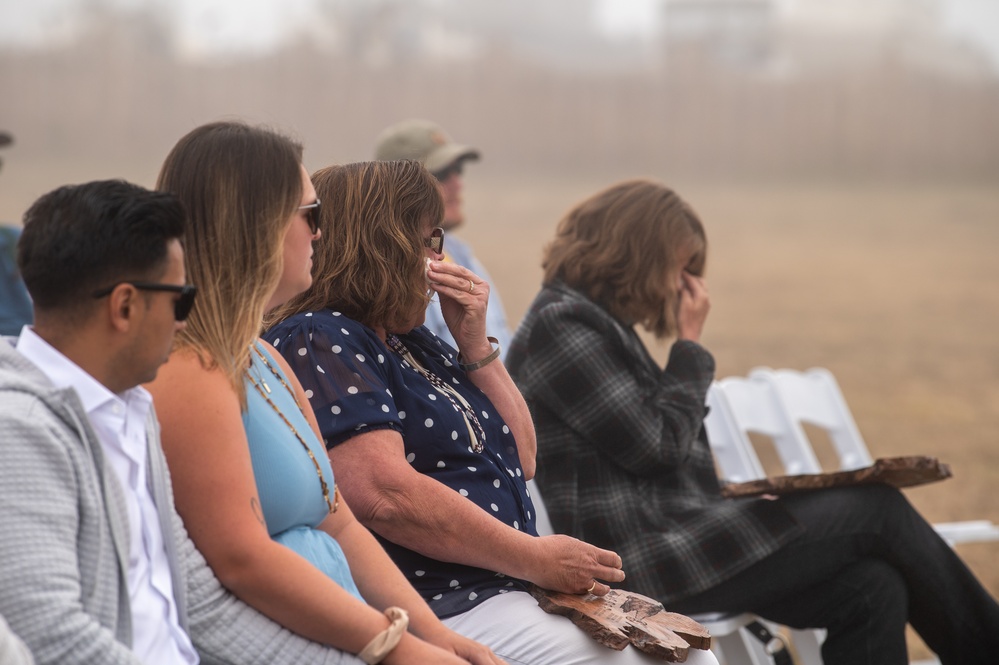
{"x":64,"y":543}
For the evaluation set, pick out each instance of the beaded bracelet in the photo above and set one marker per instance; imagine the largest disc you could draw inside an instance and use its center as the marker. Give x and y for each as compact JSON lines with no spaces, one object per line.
{"x":479,"y":364}
{"x":382,"y":644}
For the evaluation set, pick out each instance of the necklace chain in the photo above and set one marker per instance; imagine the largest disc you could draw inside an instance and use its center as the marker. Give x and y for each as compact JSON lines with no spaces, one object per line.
{"x":335,"y":503}
{"x":465,"y":409}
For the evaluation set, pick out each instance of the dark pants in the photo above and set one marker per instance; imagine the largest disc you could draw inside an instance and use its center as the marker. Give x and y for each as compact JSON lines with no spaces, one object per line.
{"x":867,"y":564}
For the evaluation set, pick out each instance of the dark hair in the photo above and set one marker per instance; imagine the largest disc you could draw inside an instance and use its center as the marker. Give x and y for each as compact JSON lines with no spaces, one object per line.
{"x":381,"y":211}
{"x":620,"y":247}
{"x":81,"y":238}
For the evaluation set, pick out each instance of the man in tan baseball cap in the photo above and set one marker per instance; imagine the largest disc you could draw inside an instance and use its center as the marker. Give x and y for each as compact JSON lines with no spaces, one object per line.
{"x":428,"y":143}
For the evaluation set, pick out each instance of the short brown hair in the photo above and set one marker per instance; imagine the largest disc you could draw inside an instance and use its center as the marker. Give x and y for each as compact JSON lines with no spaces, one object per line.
{"x":619,"y":246}
{"x":369,"y":264}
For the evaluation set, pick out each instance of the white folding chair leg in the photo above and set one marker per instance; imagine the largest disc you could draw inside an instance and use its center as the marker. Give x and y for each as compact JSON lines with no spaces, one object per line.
{"x":734,"y":644}
{"x":734,"y":649}
{"x":971,"y":531}
{"x":808,"y":644}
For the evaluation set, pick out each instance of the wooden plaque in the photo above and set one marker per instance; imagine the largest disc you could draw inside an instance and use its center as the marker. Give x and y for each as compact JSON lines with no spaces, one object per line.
{"x":895,"y":471}
{"x":622,"y":617}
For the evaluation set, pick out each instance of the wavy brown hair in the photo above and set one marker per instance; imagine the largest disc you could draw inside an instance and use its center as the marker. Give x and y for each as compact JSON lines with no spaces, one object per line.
{"x":369,"y":263}
{"x":240,"y":186}
{"x":620,"y":246}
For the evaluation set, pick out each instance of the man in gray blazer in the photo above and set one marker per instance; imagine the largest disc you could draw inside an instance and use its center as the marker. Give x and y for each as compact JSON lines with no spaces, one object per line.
{"x":95,"y":564}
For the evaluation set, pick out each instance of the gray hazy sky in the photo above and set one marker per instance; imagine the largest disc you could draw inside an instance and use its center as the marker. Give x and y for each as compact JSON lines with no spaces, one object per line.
{"x":208,"y":26}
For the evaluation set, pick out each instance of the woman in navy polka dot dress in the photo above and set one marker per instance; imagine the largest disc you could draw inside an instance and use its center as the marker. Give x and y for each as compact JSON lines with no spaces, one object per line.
{"x":432,"y":446}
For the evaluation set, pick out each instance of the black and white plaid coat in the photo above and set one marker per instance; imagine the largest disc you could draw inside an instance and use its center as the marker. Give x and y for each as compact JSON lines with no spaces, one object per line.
{"x":623,"y":459}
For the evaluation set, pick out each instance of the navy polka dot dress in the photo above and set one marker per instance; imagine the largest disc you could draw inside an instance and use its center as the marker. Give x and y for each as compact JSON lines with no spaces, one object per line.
{"x":356,"y":384}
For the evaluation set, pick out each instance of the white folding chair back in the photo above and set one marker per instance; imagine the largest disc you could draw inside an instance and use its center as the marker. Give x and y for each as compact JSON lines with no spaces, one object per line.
{"x":755,"y":406}
{"x":814,"y":397}
{"x":734,"y":454}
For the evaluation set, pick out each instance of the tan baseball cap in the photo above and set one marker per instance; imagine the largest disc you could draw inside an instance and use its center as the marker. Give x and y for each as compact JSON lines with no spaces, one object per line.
{"x":424,"y":141}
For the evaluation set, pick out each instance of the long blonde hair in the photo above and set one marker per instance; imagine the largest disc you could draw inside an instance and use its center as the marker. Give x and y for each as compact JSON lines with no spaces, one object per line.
{"x":619,"y":245}
{"x":240,"y":186}
{"x":369,"y":263}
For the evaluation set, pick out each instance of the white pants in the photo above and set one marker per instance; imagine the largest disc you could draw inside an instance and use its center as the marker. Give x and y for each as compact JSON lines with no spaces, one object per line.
{"x":521,"y":633}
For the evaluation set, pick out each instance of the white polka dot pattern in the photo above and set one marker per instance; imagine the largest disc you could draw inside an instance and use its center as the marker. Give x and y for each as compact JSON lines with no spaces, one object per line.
{"x":365,"y":387}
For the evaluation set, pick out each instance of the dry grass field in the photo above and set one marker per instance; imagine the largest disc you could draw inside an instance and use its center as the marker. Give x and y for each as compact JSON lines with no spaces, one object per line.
{"x":892,"y":287}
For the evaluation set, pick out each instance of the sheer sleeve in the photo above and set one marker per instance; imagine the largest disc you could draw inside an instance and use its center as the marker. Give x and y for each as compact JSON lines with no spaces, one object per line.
{"x":342,"y":366}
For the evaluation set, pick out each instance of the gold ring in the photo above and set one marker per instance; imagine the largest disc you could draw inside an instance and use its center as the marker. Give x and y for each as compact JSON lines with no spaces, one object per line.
{"x":592,"y":587}
{"x":471,"y":286}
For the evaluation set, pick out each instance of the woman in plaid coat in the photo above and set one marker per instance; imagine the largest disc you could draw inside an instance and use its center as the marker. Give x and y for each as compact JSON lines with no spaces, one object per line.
{"x":624,"y":462}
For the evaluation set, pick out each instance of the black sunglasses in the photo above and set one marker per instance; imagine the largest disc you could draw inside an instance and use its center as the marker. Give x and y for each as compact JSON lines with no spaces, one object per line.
{"x":436,"y":240}
{"x":454,"y":168}
{"x":312,"y":215}
{"x":181,"y":307}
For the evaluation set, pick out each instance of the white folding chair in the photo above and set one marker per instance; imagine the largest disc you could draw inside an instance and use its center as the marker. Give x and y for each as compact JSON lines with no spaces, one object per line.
{"x":728,"y":642}
{"x":541,"y":520}
{"x":732,"y":403}
{"x":814,"y":397}
{"x":775,"y":403}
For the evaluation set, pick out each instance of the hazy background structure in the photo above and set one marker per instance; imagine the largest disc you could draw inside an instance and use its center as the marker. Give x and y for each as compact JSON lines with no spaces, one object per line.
{"x":715,"y":88}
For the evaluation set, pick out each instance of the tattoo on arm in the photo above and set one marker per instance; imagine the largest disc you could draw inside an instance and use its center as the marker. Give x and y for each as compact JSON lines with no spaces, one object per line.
{"x":255,"y":507}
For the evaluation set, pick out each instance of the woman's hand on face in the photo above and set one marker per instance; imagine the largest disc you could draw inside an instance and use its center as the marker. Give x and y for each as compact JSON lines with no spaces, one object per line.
{"x":464,"y":297}
{"x":693,"y":307}
{"x":572,"y":566}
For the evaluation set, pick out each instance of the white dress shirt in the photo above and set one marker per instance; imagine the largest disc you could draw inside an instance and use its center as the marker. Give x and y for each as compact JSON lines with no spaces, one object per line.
{"x":120,"y":423}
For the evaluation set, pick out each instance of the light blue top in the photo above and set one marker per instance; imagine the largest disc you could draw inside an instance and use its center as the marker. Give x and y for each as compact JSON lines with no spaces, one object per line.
{"x":496,"y":324}
{"x":290,"y":494}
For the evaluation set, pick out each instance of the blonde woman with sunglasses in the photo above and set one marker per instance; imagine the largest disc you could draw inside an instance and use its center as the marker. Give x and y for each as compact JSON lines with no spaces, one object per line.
{"x":251,"y":478}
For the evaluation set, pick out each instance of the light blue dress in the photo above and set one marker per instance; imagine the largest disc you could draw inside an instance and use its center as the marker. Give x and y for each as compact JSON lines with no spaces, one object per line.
{"x":290,"y":494}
